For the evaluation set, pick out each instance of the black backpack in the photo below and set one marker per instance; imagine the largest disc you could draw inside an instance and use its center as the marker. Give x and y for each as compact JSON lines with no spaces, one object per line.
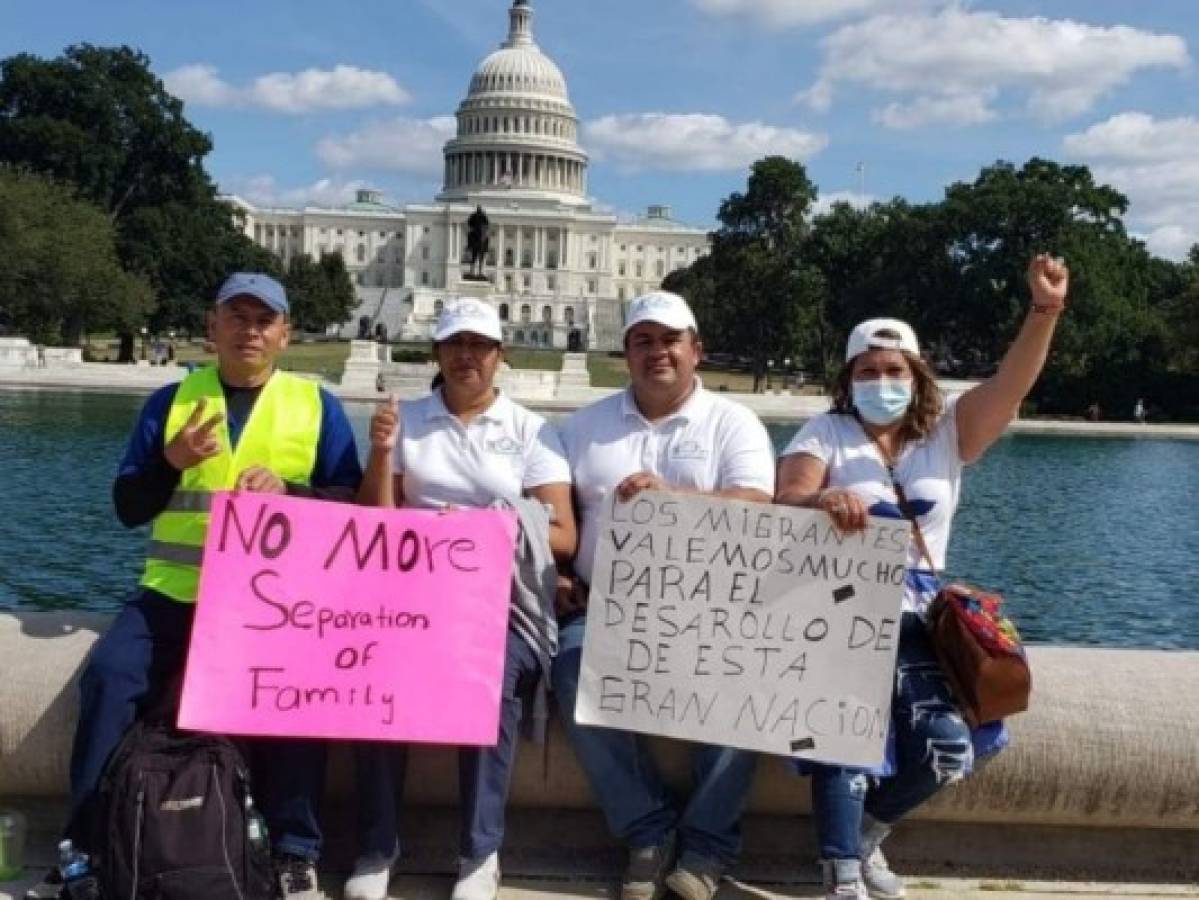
{"x":176,"y":820}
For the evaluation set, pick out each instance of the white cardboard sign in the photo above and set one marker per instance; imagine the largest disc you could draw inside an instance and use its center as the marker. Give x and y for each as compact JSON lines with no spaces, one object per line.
{"x":744,"y":624}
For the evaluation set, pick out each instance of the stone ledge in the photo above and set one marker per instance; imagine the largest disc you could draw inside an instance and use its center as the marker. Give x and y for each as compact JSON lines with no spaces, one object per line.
{"x":1102,"y":777}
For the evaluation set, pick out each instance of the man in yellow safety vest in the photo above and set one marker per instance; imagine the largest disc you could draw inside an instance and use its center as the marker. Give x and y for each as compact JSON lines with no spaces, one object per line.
{"x":241,"y":424}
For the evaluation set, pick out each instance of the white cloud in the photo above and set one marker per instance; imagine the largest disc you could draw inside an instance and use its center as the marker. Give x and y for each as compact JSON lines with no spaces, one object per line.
{"x":264,"y":190}
{"x":1137,"y":137}
{"x":953,"y":64}
{"x":411,"y":146}
{"x":793,"y":13}
{"x":825,"y":202}
{"x":1171,"y":241}
{"x":960,"y":108}
{"x":1155,"y":162}
{"x":693,"y":142}
{"x":200,"y":85}
{"x":342,"y":87}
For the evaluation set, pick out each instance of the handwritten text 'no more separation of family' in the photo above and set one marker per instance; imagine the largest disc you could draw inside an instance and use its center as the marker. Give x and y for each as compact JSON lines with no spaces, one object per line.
{"x":332,"y":620}
{"x":742,"y":624}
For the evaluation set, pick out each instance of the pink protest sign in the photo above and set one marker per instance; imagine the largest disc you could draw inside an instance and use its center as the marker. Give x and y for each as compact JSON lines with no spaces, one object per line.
{"x":339,"y":621}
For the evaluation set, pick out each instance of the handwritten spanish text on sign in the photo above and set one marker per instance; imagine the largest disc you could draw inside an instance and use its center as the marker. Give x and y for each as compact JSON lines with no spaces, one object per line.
{"x":742,"y":624}
{"x":332,"y":620}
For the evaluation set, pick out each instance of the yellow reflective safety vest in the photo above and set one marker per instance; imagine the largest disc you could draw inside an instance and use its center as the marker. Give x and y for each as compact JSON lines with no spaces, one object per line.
{"x":281,"y":433}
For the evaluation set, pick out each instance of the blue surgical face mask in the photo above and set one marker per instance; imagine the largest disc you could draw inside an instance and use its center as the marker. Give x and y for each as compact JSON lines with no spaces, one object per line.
{"x":884,"y":400}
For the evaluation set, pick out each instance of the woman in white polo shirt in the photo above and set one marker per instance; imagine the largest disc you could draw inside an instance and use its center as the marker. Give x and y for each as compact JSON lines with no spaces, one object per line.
{"x":464,"y":445}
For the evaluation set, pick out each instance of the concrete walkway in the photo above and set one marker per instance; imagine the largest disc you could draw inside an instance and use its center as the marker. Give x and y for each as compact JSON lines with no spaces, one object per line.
{"x":420,"y":887}
{"x":770,"y":407}
{"x":412,"y":888}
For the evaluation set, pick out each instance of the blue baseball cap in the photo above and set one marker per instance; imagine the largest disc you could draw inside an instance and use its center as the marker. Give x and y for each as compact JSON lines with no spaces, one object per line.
{"x":254,"y":284}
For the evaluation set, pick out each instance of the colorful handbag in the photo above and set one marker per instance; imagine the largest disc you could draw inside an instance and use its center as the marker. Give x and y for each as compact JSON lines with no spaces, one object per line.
{"x":977,"y":646}
{"x":980,"y":653}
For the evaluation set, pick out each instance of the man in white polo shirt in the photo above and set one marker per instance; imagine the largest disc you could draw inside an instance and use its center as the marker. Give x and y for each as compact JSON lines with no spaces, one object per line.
{"x":665,"y":433}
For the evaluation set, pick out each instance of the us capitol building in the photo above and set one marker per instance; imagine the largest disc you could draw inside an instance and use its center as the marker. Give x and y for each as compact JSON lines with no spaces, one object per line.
{"x":559,"y":273}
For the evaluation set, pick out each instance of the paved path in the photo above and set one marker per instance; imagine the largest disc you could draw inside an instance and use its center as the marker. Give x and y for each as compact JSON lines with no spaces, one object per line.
{"x":931,"y":889}
{"x":415,"y":887}
{"x":145,"y":379}
{"x":422,"y":888}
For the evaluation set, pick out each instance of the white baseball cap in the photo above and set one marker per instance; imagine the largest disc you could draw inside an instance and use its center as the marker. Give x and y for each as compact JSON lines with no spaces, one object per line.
{"x":662,"y":307}
{"x":866,"y":336}
{"x":468,"y":315}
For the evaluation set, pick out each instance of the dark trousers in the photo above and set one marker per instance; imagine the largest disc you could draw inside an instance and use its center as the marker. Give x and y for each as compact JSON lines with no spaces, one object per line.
{"x":126,"y":672}
{"x":289,"y":779}
{"x":484,"y":773}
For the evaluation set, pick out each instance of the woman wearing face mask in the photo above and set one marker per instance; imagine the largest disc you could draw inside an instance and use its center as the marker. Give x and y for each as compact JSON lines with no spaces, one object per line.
{"x":889,"y":426}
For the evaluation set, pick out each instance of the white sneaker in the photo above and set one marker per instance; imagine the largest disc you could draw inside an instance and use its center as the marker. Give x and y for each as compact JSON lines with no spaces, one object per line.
{"x":370,"y":877}
{"x":296,"y":878}
{"x":478,"y":880}
{"x":880,"y":882}
{"x":843,"y":879}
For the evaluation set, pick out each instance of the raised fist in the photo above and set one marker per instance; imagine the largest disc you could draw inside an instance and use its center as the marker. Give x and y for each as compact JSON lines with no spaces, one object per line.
{"x":1049,"y":281}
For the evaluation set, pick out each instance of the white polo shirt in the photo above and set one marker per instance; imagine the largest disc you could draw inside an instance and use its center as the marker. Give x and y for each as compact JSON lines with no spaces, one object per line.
{"x":711,"y":444}
{"x":502,"y":452}
{"x":928,"y":470}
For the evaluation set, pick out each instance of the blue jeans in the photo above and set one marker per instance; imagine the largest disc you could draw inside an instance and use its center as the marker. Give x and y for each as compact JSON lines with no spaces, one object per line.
{"x":932,"y":749}
{"x":626,"y":784}
{"x":484,"y":773}
{"x":127,"y":671}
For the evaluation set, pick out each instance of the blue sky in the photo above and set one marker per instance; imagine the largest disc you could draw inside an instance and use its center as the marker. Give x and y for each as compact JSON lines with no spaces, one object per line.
{"x":306,"y":101}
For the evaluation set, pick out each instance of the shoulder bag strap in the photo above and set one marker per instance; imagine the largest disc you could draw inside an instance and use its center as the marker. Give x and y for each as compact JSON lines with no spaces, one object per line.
{"x":904,"y":506}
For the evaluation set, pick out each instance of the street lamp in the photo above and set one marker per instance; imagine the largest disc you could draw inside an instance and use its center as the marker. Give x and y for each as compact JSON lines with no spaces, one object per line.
{"x":145,"y":332}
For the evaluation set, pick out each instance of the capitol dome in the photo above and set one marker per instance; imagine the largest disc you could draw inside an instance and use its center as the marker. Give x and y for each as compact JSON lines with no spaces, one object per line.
{"x":517,"y":135}
{"x":521,"y":70}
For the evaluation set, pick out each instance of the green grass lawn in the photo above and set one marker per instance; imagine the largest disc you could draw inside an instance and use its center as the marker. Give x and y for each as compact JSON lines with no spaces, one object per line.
{"x":611,"y":371}
{"x":543,"y":360}
{"x":328,"y":359}
{"x":516,"y":357}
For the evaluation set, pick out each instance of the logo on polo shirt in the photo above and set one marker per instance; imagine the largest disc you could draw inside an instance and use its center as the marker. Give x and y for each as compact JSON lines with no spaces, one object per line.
{"x":505,"y":446}
{"x":688,"y":450}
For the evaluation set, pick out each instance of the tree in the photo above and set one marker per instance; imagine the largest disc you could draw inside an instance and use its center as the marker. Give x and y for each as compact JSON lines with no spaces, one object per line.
{"x":98,"y":118}
{"x":697,"y":284}
{"x":186,"y":254}
{"x":1176,"y":292}
{"x":766,"y":293}
{"x":319,"y":293}
{"x":775,"y":285}
{"x":1007,"y":215}
{"x":59,"y":272}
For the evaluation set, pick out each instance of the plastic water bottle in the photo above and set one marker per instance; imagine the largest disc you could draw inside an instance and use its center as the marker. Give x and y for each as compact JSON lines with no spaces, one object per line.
{"x":78,"y":881}
{"x":12,"y":844}
{"x":256,"y":832}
